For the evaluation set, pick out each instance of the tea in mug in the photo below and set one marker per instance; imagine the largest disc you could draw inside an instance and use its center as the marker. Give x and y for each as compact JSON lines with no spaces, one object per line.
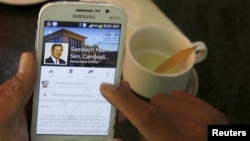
{"x":152,"y":59}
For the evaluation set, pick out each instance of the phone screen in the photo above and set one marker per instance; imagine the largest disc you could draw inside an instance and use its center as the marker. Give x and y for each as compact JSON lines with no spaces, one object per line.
{"x":76,"y":58}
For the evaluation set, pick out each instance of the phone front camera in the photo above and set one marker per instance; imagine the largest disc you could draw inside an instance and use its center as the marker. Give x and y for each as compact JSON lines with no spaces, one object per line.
{"x":107,"y":10}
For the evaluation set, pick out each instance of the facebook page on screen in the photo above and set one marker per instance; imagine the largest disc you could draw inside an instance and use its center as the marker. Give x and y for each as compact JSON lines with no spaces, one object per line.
{"x":77,"y":58}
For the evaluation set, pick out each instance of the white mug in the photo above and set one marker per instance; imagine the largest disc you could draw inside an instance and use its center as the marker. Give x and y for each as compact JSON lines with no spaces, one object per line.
{"x":22,"y":2}
{"x":146,"y":48}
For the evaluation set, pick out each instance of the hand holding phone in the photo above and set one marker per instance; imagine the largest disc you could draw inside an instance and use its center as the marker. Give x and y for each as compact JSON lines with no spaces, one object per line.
{"x":79,"y":45}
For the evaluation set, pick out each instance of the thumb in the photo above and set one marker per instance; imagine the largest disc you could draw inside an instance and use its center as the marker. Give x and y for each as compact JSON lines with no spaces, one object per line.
{"x":144,"y":116}
{"x":16,"y":91}
{"x":136,"y":110}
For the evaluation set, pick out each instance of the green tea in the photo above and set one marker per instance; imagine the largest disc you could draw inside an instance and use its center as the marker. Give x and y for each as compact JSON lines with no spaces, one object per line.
{"x":151,"y":60}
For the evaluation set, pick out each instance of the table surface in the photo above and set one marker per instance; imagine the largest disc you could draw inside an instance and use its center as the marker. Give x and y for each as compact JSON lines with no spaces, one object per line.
{"x":223,"y":25}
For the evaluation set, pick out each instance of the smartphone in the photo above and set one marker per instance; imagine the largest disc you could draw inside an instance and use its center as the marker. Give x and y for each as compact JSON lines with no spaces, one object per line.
{"x":79,"y":45}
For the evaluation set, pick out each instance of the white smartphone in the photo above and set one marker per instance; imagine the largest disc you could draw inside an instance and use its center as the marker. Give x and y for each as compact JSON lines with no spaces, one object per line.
{"x":79,"y":45}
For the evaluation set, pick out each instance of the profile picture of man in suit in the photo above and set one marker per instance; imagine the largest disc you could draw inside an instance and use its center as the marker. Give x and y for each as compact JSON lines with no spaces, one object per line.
{"x":56,"y":53}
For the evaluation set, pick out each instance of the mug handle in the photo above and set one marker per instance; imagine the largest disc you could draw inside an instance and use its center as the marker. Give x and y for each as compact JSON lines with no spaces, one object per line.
{"x":200,"y":51}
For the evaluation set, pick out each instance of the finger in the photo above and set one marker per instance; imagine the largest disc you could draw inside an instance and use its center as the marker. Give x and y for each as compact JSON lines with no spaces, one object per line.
{"x":125,"y":84}
{"x":141,"y":114}
{"x":125,"y":101}
{"x":204,"y":107}
{"x":182,"y":116}
{"x":120,"y":117}
{"x":180,"y":104}
{"x":27,"y":73}
{"x":175,"y":107}
{"x":16,"y":91}
{"x":181,"y":95}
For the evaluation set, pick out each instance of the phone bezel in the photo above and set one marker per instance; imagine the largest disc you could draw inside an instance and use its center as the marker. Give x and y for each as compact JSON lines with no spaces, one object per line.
{"x":51,"y":11}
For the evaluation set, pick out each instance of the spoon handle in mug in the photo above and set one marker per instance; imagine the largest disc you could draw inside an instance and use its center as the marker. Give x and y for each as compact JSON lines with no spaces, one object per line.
{"x":177,"y":58}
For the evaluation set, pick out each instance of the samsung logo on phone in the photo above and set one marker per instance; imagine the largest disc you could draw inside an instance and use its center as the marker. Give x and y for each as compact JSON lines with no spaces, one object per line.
{"x":79,"y":16}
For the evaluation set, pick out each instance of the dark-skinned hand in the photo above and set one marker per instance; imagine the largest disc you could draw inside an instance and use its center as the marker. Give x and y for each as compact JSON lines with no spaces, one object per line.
{"x":174,"y":117}
{"x":14,"y":95}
